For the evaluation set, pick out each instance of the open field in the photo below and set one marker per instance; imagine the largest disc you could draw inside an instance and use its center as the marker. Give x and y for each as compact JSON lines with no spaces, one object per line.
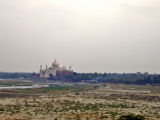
{"x":80,"y":102}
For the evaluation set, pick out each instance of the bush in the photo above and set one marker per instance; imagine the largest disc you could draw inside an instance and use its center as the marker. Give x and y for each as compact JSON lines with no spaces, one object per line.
{"x":131,"y":117}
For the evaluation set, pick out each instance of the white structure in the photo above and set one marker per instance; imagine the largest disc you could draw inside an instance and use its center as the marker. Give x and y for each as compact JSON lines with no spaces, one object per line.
{"x":53,"y":70}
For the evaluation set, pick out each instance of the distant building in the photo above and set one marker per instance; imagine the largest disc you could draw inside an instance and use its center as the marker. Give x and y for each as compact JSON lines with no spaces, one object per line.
{"x":45,"y":73}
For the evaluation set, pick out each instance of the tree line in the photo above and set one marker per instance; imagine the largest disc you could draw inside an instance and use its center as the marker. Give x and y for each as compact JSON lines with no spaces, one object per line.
{"x":124,"y":78}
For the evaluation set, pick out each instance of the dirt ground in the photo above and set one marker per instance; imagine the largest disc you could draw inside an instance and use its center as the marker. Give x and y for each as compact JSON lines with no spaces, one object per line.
{"x":105,"y":102}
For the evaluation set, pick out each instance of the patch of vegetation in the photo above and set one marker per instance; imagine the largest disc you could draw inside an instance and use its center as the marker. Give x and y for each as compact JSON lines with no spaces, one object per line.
{"x":113,"y":105}
{"x":104,"y":116}
{"x":131,"y":117}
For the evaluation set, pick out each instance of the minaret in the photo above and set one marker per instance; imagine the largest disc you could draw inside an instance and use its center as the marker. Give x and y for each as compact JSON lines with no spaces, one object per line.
{"x":70,"y":67}
{"x":46,"y":67}
{"x":40,"y":67}
{"x":40,"y":70}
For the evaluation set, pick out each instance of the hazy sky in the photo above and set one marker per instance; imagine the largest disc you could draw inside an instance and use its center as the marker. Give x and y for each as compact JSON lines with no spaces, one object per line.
{"x":90,"y":35}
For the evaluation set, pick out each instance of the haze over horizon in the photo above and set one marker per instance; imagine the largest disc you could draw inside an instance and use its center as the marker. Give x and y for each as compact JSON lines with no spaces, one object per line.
{"x":91,"y":35}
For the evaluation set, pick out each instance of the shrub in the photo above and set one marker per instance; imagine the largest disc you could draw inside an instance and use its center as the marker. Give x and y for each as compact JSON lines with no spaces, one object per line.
{"x":131,"y":117}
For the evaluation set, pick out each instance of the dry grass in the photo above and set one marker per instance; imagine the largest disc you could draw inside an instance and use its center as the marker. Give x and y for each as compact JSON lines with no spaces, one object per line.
{"x":105,"y":102}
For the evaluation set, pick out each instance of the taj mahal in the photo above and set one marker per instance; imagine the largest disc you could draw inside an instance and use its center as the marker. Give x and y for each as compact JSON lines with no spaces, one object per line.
{"x":55,"y":67}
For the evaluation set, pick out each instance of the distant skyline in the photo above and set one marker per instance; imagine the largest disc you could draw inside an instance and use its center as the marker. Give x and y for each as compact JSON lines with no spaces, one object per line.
{"x":90,"y":35}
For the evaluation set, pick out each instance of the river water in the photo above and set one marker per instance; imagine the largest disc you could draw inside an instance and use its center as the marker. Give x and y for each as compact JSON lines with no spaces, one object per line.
{"x":23,"y":87}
